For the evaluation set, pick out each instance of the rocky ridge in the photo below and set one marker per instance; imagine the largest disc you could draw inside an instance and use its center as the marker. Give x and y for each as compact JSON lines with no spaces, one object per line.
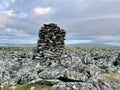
{"x":52,"y":64}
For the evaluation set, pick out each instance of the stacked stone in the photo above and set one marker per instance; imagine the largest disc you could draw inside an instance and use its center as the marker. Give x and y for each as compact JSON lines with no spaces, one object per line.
{"x":51,"y":43}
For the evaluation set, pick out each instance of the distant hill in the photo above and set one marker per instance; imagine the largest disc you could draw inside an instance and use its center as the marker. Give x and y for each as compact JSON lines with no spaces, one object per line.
{"x":68,"y":45}
{"x":16,"y":45}
{"x":89,"y":45}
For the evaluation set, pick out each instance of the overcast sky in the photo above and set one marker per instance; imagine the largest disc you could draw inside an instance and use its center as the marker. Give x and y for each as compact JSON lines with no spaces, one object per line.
{"x":85,"y":21}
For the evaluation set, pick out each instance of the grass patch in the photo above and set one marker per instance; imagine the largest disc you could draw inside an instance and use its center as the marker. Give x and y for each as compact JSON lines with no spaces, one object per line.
{"x":113,"y":78}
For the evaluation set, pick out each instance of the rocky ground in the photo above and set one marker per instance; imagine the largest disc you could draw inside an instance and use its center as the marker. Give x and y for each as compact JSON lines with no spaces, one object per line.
{"x":80,"y":69}
{"x":60,"y":68}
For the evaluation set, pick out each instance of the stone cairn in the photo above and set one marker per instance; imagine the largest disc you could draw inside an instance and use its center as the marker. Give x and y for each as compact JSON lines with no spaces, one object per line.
{"x":50,"y":45}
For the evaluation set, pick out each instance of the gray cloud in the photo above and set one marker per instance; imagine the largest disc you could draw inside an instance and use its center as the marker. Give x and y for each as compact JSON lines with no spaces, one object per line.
{"x":96,"y":20}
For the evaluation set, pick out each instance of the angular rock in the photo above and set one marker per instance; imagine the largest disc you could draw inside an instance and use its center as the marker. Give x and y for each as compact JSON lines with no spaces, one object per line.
{"x":74,"y":86}
{"x":117,"y":61}
{"x":100,"y":85}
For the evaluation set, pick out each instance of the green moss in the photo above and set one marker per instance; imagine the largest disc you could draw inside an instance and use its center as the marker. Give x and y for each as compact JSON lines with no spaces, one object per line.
{"x":7,"y":89}
{"x":44,"y":87}
{"x":24,"y":87}
{"x":37,"y":87}
{"x":28,"y":86}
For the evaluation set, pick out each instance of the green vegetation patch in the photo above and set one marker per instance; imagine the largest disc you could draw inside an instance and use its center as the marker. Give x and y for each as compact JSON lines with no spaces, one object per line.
{"x":28,"y":87}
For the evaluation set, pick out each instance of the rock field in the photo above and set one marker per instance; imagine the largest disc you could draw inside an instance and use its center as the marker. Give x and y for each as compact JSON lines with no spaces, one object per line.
{"x":51,"y":63}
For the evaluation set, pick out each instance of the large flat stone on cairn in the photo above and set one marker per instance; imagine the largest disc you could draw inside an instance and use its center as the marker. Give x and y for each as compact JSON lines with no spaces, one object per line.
{"x":50,"y":45}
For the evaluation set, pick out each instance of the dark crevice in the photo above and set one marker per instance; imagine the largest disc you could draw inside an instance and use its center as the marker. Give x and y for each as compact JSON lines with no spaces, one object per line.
{"x":19,"y":81}
{"x":115,"y":63}
{"x":68,"y":79}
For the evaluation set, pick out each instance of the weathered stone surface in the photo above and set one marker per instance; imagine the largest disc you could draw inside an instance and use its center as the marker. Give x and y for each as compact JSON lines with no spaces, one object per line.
{"x":74,"y":86}
{"x":100,"y":85}
{"x":50,"y":45}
